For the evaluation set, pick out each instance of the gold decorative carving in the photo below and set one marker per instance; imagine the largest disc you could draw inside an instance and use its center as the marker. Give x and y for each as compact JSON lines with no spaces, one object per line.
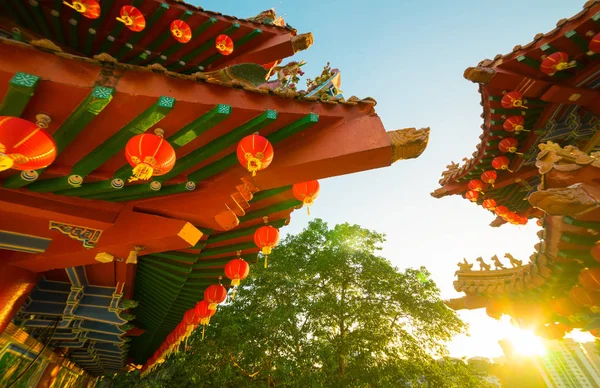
{"x":464,"y":266}
{"x":480,"y":75}
{"x":497,"y":263}
{"x":302,"y":42}
{"x":514,"y":262}
{"x":88,"y":236}
{"x":574,"y":200}
{"x":439,"y":192}
{"x":570,"y":158}
{"x":408,"y":143}
{"x":483,"y":266}
{"x":45,"y":44}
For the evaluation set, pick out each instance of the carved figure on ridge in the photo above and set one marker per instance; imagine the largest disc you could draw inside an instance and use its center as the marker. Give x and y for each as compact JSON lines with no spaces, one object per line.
{"x":483,"y":266}
{"x":514,"y":262}
{"x":497,"y":263}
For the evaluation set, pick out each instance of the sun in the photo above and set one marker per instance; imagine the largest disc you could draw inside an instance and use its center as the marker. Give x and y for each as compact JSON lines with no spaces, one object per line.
{"x":524,"y":342}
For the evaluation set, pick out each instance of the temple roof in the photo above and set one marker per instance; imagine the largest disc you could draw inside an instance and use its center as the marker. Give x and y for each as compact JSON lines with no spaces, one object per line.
{"x":561,"y":107}
{"x":259,"y":38}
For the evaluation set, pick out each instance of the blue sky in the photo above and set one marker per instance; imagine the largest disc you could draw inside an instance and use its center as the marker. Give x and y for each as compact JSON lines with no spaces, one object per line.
{"x":410,"y":56}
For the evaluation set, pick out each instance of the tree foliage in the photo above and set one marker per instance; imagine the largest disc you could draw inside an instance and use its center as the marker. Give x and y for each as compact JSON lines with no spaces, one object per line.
{"x":327,"y":312}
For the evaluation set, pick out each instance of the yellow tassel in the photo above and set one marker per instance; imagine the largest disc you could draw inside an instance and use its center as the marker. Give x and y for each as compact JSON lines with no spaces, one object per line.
{"x":6,"y":162}
{"x":266,"y":261}
{"x":212,"y":306}
{"x":142,"y":171}
{"x":233,"y":294}
{"x":308,"y":209}
{"x":266,"y":250}
{"x":235,"y":282}
{"x":254,"y":164}
{"x":202,"y":333}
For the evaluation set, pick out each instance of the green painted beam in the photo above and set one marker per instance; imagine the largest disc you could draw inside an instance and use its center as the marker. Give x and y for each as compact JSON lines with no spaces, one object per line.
{"x":56,"y":24}
{"x":237,"y":233}
{"x":199,"y":155}
{"x":269,"y":193}
{"x":91,"y":106}
{"x":96,"y":24}
{"x":162,"y":265}
{"x":185,"y":135}
{"x":203,"y":264}
{"x":25,"y":15}
{"x":200,"y":245}
{"x":584,"y":224}
{"x":135,"y":38}
{"x":39,"y":18}
{"x":529,"y":62}
{"x":270,"y":210}
{"x":115,"y":144}
{"x":161,"y":272}
{"x":201,"y":49}
{"x":73,"y":30}
{"x":505,"y":111}
{"x":196,"y":34}
{"x":574,"y":37}
{"x":226,"y":249}
{"x":548,"y":49}
{"x":178,"y":256}
{"x":237,"y":44}
{"x":206,"y":274}
{"x":20,"y":90}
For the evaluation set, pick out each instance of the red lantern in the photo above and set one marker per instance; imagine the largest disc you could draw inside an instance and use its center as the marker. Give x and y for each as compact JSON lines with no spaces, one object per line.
{"x":489,"y":177}
{"x":556,"y":62}
{"x":476,"y":185}
{"x":515,"y":124}
{"x":472,"y":195}
{"x":203,"y":312}
{"x":24,"y":146}
{"x":489,"y":204}
{"x":594,"y":45}
{"x":88,"y":8}
{"x":564,"y":306}
{"x":501,"y":211}
{"x":149,"y":155}
{"x":501,"y":163}
{"x":215,"y":294}
{"x":132,"y":18}
{"x":539,"y":222}
{"x":509,"y":144}
{"x":266,"y":237}
{"x":236,"y":270}
{"x":306,"y":192}
{"x":511,"y":217}
{"x":224,"y":44}
{"x":583,"y":297}
{"x":513,"y":99}
{"x":255,"y":153}
{"x":589,"y":278}
{"x":181,"y":31}
{"x":522,"y":220}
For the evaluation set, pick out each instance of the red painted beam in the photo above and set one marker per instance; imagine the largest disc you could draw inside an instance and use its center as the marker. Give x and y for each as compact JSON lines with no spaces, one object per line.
{"x":15,"y":286}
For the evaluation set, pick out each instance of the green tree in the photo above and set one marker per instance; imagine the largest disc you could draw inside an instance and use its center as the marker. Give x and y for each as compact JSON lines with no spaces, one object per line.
{"x":327,"y":312}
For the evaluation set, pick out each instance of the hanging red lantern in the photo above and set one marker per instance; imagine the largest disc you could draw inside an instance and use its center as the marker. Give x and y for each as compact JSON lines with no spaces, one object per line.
{"x":511,"y":217}
{"x":224,"y":44}
{"x":589,"y":278}
{"x":489,"y":204}
{"x":501,"y":211}
{"x":24,"y":145}
{"x":236,"y":270}
{"x":539,"y":222}
{"x":556,"y":62}
{"x":306,"y":192}
{"x":513,"y":99}
{"x":522,"y":220}
{"x":510,"y":144}
{"x":266,"y":237}
{"x":489,"y":177}
{"x":149,"y":155}
{"x":594,"y":45}
{"x":501,"y":163}
{"x":132,"y":18}
{"x":476,"y":185}
{"x":515,"y":124}
{"x":472,"y":195}
{"x":255,"y":153}
{"x":203,"y":312}
{"x":215,"y":294}
{"x":88,"y":8}
{"x":564,"y":306}
{"x":181,"y":31}
{"x":583,"y":297}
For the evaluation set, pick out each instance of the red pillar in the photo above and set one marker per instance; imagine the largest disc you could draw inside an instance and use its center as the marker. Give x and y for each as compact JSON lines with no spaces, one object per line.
{"x":48,"y":376}
{"x":15,"y":286}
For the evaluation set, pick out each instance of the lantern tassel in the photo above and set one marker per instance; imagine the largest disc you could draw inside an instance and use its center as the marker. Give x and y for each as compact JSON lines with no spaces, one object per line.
{"x":212,"y":306}
{"x":233,"y":293}
{"x":266,"y":261}
{"x":70,"y":5}
{"x":203,"y":332}
{"x":6,"y":162}
{"x":254,"y":164}
{"x":308,"y":209}
{"x":142,"y":171}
